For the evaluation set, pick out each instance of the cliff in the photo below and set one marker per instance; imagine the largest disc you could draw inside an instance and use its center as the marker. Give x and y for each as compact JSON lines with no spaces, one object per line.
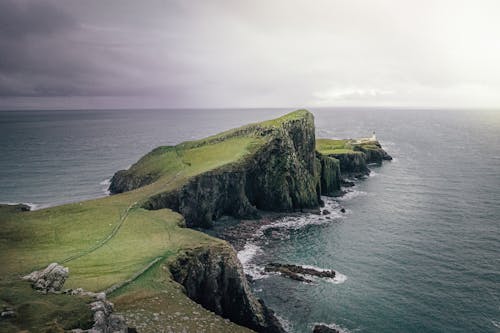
{"x":283,"y":173}
{"x":214,"y":278}
{"x":352,"y":155}
{"x":132,"y":244}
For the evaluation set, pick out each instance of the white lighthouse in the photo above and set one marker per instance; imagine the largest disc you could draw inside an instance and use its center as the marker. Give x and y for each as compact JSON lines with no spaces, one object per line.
{"x":374,"y":137}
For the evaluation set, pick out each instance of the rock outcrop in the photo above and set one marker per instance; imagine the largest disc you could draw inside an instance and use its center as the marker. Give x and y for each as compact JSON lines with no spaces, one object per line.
{"x":329,"y":175}
{"x":374,"y":153}
{"x":50,"y":279}
{"x":284,"y":174}
{"x":324,"y":329}
{"x":214,"y":278}
{"x":299,"y":273}
{"x":105,"y":321}
{"x":352,"y":164}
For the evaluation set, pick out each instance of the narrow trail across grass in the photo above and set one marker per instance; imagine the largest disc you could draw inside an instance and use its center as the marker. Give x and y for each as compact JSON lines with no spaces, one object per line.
{"x":101,"y":243}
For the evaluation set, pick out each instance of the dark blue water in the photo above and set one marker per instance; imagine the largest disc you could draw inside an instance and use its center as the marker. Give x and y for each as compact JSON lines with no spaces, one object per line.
{"x":419,"y":245}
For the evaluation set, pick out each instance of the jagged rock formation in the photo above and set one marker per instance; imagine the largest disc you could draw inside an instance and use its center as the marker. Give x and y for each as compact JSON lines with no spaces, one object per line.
{"x":352,"y":155}
{"x":105,"y":321}
{"x":297,"y":272}
{"x":284,"y":174}
{"x":352,"y":164}
{"x":324,"y":329}
{"x":374,"y":153}
{"x":329,"y":174}
{"x":50,"y":279}
{"x":214,"y":278}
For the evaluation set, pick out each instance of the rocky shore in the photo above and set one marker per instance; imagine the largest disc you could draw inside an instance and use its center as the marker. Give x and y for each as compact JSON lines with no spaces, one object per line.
{"x":258,"y":171}
{"x":299,"y":273}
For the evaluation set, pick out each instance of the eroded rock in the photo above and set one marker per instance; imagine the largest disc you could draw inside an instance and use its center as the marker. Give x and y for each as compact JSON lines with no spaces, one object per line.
{"x":50,"y":279}
{"x":298,"y":273}
{"x":324,"y":329}
{"x":214,"y":278}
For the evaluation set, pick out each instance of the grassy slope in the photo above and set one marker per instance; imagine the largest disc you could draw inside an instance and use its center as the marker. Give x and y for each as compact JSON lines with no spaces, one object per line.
{"x":338,"y":147}
{"x":107,"y":241}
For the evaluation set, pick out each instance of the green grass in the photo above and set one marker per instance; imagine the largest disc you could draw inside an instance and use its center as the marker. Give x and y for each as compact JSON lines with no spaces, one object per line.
{"x":42,"y":313}
{"x":332,"y":147}
{"x":107,"y":241}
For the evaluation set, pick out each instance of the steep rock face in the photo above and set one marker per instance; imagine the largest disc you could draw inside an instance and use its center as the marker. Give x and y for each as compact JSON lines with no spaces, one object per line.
{"x":329,"y":169}
{"x":352,"y":163}
{"x":374,"y":153}
{"x":280,"y":176}
{"x":123,"y":181}
{"x":214,"y":278}
{"x":207,"y":197}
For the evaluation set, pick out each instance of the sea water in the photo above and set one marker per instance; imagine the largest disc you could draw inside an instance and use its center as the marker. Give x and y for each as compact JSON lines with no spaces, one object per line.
{"x":418,"y":249}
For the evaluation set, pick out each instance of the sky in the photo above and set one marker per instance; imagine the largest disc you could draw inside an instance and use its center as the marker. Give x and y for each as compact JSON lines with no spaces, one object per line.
{"x":258,"y":53}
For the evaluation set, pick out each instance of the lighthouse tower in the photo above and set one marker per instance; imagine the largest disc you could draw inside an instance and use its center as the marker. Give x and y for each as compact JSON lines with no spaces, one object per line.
{"x":374,"y":137}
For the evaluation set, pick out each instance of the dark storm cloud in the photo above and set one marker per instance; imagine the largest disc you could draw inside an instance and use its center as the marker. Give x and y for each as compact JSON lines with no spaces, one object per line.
{"x":50,"y":49}
{"x":263,"y":53}
{"x":35,"y":56}
{"x":19,"y":19}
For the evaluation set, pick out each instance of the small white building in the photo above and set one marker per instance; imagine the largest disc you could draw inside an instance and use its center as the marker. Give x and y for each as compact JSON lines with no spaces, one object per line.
{"x":373,"y":138}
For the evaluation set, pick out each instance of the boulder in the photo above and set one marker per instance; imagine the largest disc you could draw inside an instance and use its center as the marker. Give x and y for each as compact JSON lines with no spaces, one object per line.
{"x":50,"y":279}
{"x":324,"y":329}
{"x":297,"y":272}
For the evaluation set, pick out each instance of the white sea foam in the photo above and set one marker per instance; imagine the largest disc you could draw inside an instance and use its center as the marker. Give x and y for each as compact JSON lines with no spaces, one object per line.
{"x":33,"y":206}
{"x":496,"y":323}
{"x":294,"y":222}
{"x":246,"y":256}
{"x":284,"y":323}
{"x":351,"y":194}
{"x":249,"y":251}
{"x":338,"y":279}
{"x":106,"y":183}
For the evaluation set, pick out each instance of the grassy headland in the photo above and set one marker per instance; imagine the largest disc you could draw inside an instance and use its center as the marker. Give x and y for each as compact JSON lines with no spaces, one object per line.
{"x":126,"y":244}
{"x":113,"y":243}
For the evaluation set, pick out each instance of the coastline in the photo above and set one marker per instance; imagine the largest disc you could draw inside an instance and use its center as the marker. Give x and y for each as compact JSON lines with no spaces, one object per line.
{"x":278,"y":168}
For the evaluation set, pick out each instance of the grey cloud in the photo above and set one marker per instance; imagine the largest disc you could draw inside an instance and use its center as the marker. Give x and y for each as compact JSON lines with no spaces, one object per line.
{"x":20,"y":18}
{"x":250,"y":53}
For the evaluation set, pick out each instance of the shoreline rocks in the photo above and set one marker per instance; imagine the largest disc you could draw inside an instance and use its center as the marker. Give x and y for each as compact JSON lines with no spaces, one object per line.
{"x":214,"y":278}
{"x":52,"y":279}
{"x":297,"y":272}
{"x":320,"y":328}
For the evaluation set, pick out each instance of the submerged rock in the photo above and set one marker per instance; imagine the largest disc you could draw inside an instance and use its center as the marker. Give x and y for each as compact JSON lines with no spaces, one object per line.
{"x":324,"y":329}
{"x":50,"y":279}
{"x":297,"y":272}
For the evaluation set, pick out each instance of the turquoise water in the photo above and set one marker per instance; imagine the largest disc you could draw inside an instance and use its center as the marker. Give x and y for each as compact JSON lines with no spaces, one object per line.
{"x":419,"y":245}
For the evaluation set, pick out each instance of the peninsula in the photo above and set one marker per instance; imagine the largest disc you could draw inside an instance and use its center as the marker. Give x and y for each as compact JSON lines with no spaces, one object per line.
{"x":138,"y":247}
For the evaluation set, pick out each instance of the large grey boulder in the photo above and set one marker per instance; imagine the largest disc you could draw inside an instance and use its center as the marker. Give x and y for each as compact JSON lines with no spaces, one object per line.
{"x":50,"y":279}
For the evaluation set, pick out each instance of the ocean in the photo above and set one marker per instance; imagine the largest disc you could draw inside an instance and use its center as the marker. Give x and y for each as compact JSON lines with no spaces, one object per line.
{"x":418,"y":249}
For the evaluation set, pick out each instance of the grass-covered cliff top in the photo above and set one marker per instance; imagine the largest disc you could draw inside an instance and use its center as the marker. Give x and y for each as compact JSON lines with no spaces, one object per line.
{"x":108,"y":241}
{"x":346,"y":146}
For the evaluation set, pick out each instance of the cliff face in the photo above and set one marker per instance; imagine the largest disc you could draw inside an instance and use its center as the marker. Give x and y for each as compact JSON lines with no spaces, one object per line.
{"x":374,"y":153}
{"x":329,"y":174}
{"x":214,"y":278}
{"x":282,"y":175}
{"x":352,"y":163}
